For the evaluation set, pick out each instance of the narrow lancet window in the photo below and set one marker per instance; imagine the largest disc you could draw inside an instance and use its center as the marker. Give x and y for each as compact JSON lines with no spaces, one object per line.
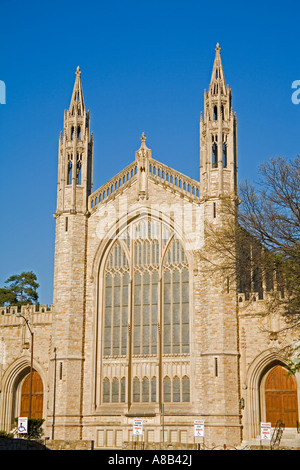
{"x":215,"y":113}
{"x":215,"y":156}
{"x":70,"y":173}
{"x":106,"y":391}
{"x":214,"y":210}
{"x":78,"y":173}
{"x":136,"y":390}
{"x":224,"y":156}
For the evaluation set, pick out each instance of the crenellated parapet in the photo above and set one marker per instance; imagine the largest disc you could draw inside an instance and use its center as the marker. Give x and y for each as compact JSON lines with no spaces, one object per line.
{"x":10,"y":315}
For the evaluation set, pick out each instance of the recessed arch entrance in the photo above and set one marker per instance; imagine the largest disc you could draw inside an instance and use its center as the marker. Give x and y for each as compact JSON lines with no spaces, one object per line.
{"x":255,"y":387}
{"x":15,"y":387}
{"x":281,"y":397}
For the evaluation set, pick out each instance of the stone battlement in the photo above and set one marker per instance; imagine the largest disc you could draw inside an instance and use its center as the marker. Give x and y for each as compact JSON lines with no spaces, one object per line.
{"x":25,"y":309}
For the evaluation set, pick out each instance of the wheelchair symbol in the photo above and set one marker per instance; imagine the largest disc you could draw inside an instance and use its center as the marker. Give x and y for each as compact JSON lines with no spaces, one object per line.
{"x":21,"y":428}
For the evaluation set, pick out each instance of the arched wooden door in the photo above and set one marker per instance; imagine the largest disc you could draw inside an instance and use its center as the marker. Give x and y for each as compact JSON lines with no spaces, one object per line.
{"x":281,"y":397}
{"x":37,"y":396}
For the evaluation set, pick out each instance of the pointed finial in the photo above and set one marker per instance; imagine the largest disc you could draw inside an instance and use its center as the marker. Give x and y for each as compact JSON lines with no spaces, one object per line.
{"x":78,"y":71}
{"x":218,"y":47}
{"x":143,"y":151}
{"x":143,"y":140}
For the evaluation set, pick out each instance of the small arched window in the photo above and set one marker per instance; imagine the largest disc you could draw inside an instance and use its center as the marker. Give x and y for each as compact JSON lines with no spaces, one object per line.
{"x":123,"y":389}
{"x":176,"y":389}
{"x":145,"y":389}
{"x":78,"y":181}
{"x":70,"y":173}
{"x":185,"y":389}
{"x":215,"y":113}
{"x":106,"y":391}
{"x":215,"y":156}
{"x":224,"y":156}
{"x":115,"y":390}
{"x":136,"y":390}
{"x":167,"y":389}
{"x":153,"y":389}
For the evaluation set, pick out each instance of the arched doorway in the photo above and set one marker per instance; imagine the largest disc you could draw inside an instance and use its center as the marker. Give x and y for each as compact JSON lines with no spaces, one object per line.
{"x":37,"y":396}
{"x":281,"y":397}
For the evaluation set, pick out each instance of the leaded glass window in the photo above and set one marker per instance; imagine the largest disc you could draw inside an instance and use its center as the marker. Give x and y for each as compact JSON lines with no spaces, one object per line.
{"x":176,"y":300}
{"x":145,"y":301}
{"x":116,"y":303}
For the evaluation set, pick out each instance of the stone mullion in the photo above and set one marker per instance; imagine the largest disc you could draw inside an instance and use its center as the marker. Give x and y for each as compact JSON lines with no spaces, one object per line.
{"x":121,"y":314}
{"x":181,"y":312}
{"x":172,"y":312}
{"x":150,"y":311}
{"x":112,"y":317}
{"x":129,"y":319}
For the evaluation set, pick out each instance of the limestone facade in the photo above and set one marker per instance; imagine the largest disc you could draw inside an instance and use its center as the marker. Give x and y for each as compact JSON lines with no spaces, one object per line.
{"x":138,"y":328}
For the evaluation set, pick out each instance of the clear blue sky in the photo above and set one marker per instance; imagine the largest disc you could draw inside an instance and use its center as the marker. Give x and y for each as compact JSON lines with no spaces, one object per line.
{"x":145,"y":65}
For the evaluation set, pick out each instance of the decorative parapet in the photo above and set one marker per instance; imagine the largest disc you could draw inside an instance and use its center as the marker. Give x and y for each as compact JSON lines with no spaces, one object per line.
{"x":108,"y":191}
{"x":158,"y":172}
{"x":173,"y":179}
{"x":38,"y":313}
{"x":25,"y":309}
{"x":260,"y":303}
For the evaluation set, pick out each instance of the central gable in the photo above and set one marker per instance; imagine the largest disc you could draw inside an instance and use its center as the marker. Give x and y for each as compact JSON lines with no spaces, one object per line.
{"x":141,"y":171}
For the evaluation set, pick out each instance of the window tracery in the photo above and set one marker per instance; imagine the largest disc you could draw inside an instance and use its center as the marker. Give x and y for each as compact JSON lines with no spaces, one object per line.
{"x":145,"y":310}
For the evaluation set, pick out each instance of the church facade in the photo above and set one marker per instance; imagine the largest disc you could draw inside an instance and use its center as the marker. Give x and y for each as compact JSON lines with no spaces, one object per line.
{"x":139,"y":328}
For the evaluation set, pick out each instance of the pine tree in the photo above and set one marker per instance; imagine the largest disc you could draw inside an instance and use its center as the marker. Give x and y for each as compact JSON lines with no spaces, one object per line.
{"x":20,"y":289}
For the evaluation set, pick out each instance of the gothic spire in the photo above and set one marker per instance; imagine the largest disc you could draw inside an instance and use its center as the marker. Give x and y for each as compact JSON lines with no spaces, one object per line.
{"x":77,"y":101}
{"x":217,"y":82}
{"x":75,"y":169}
{"x":218,"y":146}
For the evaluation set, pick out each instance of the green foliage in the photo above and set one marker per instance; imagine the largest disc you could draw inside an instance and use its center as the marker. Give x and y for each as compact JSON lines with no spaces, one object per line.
{"x":7,"y":297}
{"x":20,"y":289}
{"x":258,"y":242}
{"x":270,"y":213}
{"x":7,"y":435}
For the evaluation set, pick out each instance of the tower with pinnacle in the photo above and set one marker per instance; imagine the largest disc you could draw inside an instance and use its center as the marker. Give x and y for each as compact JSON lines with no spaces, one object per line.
{"x":75,"y":168}
{"x":217,"y":316}
{"x":75,"y":155}
{"x":218,"y":139}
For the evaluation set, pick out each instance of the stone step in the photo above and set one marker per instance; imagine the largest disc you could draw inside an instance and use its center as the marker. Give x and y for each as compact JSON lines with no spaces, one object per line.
{"x":290,"y":439}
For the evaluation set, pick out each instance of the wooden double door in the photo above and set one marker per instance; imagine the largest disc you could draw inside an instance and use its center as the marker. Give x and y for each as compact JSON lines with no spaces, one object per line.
{"x":37,"y":396}
{"x":281,"y":397}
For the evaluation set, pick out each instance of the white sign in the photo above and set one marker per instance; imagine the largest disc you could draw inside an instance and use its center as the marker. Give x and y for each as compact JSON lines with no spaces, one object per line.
{"x":137,"y":427}
{"x":199,"y":428}
{"x":22,"y":425}
{"x":265,"y":431}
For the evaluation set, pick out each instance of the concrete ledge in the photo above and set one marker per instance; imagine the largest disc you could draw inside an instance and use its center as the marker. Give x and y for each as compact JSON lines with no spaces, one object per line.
{"x":70,"y":445}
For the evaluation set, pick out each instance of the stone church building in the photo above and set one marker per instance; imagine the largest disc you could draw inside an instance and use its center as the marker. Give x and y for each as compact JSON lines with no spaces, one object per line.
{"x":139,"y":327}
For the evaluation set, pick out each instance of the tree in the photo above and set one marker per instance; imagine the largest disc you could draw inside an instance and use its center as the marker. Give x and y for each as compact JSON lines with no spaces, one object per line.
{"x":20,"y":289}
{"x":271,"y":215}
{"x":7,"y":297}
{"x":257,"y":246}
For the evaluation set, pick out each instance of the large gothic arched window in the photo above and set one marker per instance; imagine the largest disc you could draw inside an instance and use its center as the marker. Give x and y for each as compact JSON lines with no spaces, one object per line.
{"x":145,"y":314}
